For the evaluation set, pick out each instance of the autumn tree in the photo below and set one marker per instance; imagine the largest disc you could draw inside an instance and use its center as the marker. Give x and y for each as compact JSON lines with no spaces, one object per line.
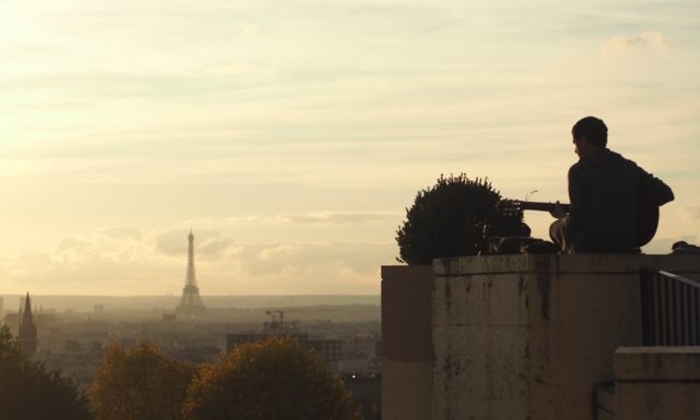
{"x":29,"y":391}
{"x":453,"y":218}
{"x":140,"y":383}
{"x":273,"y":379}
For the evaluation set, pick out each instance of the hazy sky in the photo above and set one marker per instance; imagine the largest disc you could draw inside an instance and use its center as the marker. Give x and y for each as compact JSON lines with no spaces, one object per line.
{"x":292,"y":134}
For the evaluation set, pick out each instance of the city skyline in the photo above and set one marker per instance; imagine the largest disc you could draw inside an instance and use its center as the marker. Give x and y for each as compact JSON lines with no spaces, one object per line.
{"x":292,"y":135}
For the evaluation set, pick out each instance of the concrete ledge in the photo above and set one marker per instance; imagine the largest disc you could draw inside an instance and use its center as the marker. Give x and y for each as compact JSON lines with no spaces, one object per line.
{"x":652,"y":364}
{"x":657,"y":383}
{"x":685,"y":265}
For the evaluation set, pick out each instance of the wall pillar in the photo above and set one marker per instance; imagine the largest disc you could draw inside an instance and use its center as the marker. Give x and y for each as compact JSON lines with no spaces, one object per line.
{"x":407,"y":353}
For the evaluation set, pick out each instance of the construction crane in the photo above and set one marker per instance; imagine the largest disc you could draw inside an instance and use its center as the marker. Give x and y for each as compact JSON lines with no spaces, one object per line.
{"x":274,"y":318}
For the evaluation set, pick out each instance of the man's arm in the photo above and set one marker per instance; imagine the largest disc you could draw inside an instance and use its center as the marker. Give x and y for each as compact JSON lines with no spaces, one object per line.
{"x":655,"y":191}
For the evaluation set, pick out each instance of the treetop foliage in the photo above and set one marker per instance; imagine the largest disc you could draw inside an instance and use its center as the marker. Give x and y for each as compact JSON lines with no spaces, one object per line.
{"x":452,"y":218}
{"x":140,"y":383}
{"x":275,"y":378}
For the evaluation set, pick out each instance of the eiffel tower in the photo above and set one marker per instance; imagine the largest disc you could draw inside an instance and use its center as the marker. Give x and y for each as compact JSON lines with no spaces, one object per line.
{"x":190,"y":303}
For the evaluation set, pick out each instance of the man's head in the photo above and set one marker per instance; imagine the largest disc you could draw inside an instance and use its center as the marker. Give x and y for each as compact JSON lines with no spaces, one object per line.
{"x":590,"y":134}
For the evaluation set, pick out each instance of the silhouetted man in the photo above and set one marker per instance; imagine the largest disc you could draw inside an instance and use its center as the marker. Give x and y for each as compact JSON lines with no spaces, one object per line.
{"x":609,"y":196}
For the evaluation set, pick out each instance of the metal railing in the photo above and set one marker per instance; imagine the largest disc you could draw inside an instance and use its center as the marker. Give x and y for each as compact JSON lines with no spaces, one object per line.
{"x":670,"y":309}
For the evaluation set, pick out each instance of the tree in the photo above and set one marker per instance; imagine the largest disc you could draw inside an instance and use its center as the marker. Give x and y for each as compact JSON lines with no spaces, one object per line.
{"x":453,"y":218}
{"x":140,"y":384}
{"x":29,"y":391}
{"x":9,"y":347}
{"x":272,"y":379}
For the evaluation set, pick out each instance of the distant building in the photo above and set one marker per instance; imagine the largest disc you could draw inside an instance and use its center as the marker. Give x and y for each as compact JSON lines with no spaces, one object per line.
{"x":360,"y":355}
{"x":191,"y":305}
{"x":27,"y":330}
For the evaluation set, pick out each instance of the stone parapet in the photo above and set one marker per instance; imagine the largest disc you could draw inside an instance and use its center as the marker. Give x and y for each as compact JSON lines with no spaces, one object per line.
{"x":529,"y":336}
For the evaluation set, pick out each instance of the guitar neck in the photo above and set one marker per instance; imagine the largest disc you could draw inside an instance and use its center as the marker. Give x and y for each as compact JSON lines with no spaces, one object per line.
{"x":539,"y":206}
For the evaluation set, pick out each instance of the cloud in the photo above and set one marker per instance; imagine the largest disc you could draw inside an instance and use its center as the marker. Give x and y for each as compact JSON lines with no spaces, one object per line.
{"x":215,"y":248}
{"x":114,"y":260}
{"x":694,"y":212}
{"x":314,"y":218}
{"x":126,"y":260}
{"x":232,"y":69}
{"x":214,"y":244}
{"x":71,"y":251}
{"x":121,"y":245}
{"x":306,"y":258}
{"x":88,"y":266}
{"x":653,"y":41}
{"x":120,"y":232}
{"x":338,"y":217}
{"x":298,"y":268}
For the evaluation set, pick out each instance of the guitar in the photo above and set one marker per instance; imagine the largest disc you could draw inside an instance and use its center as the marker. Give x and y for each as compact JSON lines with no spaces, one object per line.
{"x":647,"y":216}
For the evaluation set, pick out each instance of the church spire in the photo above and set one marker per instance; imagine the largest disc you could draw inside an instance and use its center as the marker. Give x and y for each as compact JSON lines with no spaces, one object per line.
{"x":27,"y":330}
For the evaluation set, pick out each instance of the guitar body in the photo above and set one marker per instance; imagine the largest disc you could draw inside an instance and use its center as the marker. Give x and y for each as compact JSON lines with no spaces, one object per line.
{"x":647,"y":222}
{"x":647,"y":215}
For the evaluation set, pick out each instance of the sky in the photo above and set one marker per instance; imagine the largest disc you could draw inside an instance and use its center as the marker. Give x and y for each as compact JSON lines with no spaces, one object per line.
{"x":291,"y":135}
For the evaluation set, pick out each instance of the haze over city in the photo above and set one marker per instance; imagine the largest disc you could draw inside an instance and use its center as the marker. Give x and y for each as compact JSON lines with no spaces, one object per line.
{"x":291,"y":135}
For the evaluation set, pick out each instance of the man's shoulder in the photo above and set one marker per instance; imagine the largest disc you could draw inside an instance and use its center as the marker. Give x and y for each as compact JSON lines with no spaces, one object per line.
{"x":624,"y":161}
{"x":577,"y":170}
{"x":605,"y":159}
{"x":580,"y":166}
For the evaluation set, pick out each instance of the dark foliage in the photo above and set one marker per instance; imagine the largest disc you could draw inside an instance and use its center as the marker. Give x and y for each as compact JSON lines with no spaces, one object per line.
{"x":452,"y":218}
{"x":29,"y":391}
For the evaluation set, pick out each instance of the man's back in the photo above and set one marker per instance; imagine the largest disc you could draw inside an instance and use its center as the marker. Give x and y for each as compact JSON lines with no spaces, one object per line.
{"x":604,"y":191}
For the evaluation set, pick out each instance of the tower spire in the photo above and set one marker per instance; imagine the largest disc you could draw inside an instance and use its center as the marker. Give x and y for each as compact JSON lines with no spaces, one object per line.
{"x":190,"y":302}
{"x":27,"y":330}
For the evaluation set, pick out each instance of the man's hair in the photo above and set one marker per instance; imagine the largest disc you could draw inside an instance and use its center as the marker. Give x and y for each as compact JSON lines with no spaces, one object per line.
{"x":593,"y":128}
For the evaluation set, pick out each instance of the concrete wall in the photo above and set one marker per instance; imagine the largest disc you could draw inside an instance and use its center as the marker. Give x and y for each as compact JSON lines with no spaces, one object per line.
{"x":528,"y":336}
{"x":406,"y":342}
{"x":657,"y":383}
